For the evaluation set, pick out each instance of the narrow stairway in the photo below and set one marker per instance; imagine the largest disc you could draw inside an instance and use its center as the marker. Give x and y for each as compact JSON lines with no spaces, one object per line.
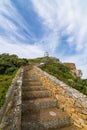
{"x":39,"y":109}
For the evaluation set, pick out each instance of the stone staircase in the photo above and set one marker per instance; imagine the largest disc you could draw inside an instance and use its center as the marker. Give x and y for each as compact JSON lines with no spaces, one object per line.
{"x":39,"y":109}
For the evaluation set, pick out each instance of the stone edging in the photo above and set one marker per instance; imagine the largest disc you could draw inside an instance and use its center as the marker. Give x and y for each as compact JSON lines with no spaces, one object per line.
{"x":69,"y":99}
{"x":10,"y":114}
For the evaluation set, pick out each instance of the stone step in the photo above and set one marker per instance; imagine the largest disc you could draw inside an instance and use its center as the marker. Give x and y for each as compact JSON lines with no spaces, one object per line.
{"x":39,"y":109}
{"x":33,"y":88}
{"x":29,"y":80}
{"x":37,"y":104}
{"x":31,"y":76}
{"x":69,"y":128}
{"x":35,"y":94}
{"x":32,"y":83}
{"x":45,"y":119}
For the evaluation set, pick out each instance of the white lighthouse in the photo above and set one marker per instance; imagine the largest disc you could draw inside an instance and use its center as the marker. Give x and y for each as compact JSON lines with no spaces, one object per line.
{"x":46,"y":54}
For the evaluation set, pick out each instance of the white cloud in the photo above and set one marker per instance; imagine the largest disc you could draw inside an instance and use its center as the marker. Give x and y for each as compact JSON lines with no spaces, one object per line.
{"x":8,"y":41}
{"x":22,"y":50}
{"x":7,"y":9}
{"x":49,"y":42}
{"x":70,"y":18}
{"x":65,"y":13}
{"x":70,"y":40}
{"x":60,"y":17}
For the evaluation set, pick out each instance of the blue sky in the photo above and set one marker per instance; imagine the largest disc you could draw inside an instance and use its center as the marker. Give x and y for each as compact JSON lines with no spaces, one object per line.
{"x":28,"y":28}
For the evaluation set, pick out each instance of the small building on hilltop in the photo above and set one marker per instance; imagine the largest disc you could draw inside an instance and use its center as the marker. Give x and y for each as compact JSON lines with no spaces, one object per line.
{"x":46,"y":54}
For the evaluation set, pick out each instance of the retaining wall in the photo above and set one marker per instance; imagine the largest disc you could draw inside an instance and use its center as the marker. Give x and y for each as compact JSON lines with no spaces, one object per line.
{"x":69,"y":99}
{"x":10,"y":114}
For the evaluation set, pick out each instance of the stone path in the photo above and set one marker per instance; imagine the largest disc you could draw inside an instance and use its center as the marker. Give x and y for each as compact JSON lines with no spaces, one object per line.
{"x":39,"y":109}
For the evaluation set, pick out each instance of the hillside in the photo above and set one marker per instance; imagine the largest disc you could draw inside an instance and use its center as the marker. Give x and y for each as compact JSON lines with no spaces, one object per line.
{"x":66,"y":72}
{"x":9,"y":65}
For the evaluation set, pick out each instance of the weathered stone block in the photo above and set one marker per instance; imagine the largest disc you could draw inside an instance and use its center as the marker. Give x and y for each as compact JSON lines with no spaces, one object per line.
{"x":71,"y":100}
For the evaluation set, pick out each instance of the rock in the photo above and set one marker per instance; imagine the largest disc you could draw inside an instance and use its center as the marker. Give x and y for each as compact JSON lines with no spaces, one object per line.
{"x":84,"y":111}
{"x":77,"y":73}
{"x":71,"y":65}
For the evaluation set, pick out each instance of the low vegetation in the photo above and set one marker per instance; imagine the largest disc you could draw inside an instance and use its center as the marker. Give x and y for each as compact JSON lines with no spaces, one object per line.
{"x":5,"y":81}
{"x":63,"y":73}
{"x":9,"y":65}
{"x":35,"y":61}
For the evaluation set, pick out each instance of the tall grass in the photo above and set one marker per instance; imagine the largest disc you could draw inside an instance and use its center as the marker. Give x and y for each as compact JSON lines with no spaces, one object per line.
{"x":5,"y":82}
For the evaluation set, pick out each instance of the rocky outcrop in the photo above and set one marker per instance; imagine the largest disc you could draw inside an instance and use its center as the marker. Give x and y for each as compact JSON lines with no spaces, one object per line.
{"x":71,"y":65}
{"x":69,"y":99}
{"x":77,"y":73}
{"x":74,"y":70}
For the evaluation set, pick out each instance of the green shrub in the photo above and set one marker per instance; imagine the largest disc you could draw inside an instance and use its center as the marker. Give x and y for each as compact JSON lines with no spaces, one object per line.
{"x":5,"y":81}
{"x":63,"y":73}
{"x":10,"y":70}
{"x":9,"y":65}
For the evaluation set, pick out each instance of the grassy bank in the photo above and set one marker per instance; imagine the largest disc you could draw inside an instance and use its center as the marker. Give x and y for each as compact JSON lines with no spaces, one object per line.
{"x":9,"y":64}
{"x":63,"y":73}
{"x":5,"y":82}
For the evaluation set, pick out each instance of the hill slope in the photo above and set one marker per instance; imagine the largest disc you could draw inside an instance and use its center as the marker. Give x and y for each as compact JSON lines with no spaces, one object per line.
{"x":63,"y":73}
{"x":9,"y":65}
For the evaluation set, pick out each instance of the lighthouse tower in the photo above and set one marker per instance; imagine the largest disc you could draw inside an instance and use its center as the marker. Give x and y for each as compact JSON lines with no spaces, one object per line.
{"x":46,"y":54}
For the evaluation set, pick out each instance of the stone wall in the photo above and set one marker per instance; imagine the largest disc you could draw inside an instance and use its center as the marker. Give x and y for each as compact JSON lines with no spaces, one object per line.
{"x":10,"y":114}
{"x":69,"y":99}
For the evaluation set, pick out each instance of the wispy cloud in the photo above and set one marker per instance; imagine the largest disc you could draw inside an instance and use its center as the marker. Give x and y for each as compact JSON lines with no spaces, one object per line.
{"x":65,"y":15}
{"x":30,"y":27}
{"x":12,"y":25}
{"x":22,"y":50}
{"x":68,"y":18}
